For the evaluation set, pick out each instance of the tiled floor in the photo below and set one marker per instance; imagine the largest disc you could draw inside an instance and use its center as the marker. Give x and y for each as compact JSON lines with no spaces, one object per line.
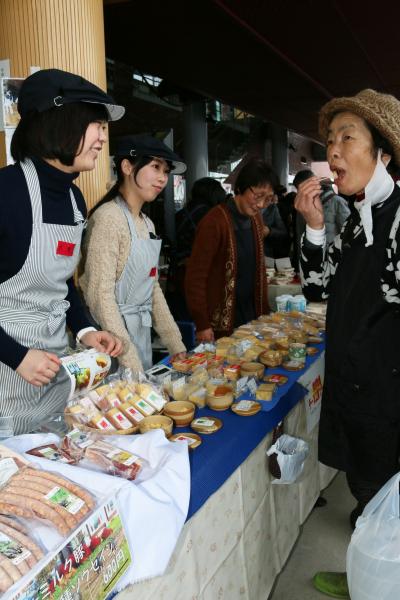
{"x":321,"y":546}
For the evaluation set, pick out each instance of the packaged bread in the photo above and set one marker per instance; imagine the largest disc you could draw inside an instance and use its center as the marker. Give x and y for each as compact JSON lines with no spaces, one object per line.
{"x":265,"y":391}
{"x":131,"y":413}
{"x":88,"y":406}
{"x":78,"y":413}
{"x":125,"y":394}
{"x":198,"y":396}
{"x":199,"y":376}
{"x":252,"y":353}
{"x":118,"y":419}
{"x":144,"y":407}
{"x":108,"y":401}
{"x":101,"y":422}
{"x":151,"y":395}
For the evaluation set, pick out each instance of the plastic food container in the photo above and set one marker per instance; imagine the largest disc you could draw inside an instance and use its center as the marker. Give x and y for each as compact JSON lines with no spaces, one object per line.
{"x":271,"y":358}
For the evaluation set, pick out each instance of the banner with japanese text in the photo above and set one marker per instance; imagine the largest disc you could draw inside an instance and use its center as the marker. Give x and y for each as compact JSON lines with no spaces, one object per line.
{"x":88,"y":565}
{"x":313,"y":381}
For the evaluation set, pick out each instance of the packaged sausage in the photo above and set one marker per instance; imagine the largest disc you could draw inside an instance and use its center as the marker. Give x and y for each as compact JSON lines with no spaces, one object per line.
{"x":113,"y":460}
{"x":52,"y":452}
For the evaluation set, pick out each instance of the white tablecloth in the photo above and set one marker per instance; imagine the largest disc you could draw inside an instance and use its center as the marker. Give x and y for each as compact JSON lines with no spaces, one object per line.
{"x":237,"y":543}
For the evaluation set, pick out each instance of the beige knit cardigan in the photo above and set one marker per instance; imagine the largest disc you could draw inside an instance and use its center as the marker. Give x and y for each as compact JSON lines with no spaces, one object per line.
{"x":106,"y":249}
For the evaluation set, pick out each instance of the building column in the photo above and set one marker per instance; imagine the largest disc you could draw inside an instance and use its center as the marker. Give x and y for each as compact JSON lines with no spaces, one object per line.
{"x":62,"y":34}
{"x":279,"y":151}
{"x":195,"y":143}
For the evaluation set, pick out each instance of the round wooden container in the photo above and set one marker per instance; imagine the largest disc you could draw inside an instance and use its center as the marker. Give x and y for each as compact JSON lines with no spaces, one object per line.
{"x":221,"y":398}
{"x":157,"y":422}
{"x":180,"y":411}
{"x":252,"y":369}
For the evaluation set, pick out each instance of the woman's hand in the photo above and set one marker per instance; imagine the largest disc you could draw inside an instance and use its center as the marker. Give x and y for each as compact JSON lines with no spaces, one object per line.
{"x":39,"y":367}
{"x":207,"y":335}
{"x":266,"y":231}
{"x":179,"y":356}
{"x":103,"y":341}
{"x":308,"y":203}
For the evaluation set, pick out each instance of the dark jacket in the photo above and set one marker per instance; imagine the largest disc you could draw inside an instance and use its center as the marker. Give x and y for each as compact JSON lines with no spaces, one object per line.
{"x":360,"y":417}
{"x":276,"y":242}
{"x":211,"y":272}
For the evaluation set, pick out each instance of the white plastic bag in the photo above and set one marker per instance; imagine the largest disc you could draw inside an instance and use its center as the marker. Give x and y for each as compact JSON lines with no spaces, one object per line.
{"x":373,"y":556}
{"x":291,"y":454}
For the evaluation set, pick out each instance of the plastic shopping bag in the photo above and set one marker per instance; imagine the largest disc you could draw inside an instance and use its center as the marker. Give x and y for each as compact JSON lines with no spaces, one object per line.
{"x":373,"y":556}
{"x":291,"y":454}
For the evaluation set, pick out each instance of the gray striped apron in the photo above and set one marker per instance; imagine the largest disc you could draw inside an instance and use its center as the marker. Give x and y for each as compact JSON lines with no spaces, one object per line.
{"x":32,"y":311}
{"x":134,"y":289}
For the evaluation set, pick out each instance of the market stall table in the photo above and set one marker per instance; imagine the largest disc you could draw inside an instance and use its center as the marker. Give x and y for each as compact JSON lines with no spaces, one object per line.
{"x":241,"y":527}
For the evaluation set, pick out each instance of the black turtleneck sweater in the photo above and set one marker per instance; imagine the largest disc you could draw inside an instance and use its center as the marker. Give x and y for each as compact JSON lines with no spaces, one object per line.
{"x":16,"y":233}
{"x":245,"y":309}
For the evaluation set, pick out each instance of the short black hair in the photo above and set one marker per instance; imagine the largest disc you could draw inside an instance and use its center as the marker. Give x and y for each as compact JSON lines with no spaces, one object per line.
{"x":256,"y":172}
{"x":208,"y":191}
{"x":55,"y":133}
{"x":302,"y":176}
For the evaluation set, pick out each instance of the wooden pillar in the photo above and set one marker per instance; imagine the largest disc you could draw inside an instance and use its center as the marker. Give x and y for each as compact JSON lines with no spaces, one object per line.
{"x":62,"y":34}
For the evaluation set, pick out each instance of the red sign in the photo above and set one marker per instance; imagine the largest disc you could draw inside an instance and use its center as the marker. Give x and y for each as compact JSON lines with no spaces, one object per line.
{"x":65,"y":248}
{"x":153,"y":272}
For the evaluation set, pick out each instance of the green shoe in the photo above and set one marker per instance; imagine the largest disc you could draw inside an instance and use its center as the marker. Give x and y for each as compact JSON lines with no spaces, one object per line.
{"x":332,"y":584}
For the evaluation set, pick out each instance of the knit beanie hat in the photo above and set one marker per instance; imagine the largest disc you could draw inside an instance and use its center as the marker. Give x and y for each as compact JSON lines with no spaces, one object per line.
{"x":380,"y":110}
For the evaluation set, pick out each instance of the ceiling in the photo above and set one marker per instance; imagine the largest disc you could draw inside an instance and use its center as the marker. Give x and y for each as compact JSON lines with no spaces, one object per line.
{"x":278,"y":60}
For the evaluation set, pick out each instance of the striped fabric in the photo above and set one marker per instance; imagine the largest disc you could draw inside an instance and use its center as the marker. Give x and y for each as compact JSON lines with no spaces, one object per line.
{"x":33,"y":311}
{"x":134,"y":290}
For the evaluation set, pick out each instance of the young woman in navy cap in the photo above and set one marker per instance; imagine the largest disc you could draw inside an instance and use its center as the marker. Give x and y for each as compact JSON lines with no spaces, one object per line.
{"x":120,"y":278}
{"x":42,"y":216}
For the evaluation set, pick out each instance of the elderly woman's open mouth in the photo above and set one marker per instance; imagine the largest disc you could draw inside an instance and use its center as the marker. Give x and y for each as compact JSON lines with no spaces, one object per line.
{"x":338,"y":175}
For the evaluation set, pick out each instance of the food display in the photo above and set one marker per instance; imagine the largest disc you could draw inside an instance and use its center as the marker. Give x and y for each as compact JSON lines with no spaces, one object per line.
{"x":246,"y":408}
{"x":237,"y":367}
{"x":118,"y":407}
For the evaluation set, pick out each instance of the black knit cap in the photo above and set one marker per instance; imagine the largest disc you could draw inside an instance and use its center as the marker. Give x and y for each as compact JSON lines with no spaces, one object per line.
{"x":147,"y":145}
{"x":52,"y":87}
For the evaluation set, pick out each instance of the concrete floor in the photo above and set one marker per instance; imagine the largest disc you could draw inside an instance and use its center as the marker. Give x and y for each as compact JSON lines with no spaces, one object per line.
{"x":321,"y":546}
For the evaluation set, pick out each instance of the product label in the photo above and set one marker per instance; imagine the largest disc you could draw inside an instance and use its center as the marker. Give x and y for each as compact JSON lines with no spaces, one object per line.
{"x":156,"y":400}
{"x":252,"y":385}
{"x":79,"y":438}
{"x":13,"y":549}
{"x":104,"y":424}
{"x":8,"y":468}
{"x":203,"y":421}
{"x":135,"y":413}
{"x":62,"y":497}
{"x":244,"y":405}
{"x":146,"y":408}
{"x":52,"y":454}
{"x":185,"y":438}
{"x":241,"y":384}
{"x":123,"y":457}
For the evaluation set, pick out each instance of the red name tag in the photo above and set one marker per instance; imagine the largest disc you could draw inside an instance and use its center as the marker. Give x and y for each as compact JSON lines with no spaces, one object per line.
{"x":65,"y":248}
{"x":153,"y":272}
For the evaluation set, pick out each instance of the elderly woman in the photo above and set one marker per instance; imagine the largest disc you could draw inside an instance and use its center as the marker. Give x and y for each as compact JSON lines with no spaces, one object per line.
{"x":359,"y":275}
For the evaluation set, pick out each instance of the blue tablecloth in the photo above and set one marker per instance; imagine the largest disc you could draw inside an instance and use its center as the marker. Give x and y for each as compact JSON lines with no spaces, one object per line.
{"x":221,"y":453}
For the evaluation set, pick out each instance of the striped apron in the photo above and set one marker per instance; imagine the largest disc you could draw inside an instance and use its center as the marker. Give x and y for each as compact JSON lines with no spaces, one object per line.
{"x":33,"y":310}
{"x":134,"y":289}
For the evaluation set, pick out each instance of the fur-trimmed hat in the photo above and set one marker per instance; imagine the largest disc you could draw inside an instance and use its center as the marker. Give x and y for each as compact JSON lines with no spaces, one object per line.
{"x":380,"y":110}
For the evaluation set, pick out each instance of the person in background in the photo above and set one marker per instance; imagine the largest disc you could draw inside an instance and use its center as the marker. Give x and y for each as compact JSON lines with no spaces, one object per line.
{"x":206,"y":193}
{"x":121,"y":253}
{"x":359,"y":276}
{"x":42,"y":216}
{"x":336,"y":209}
{"x":276,"y":236}
{"x":225,"y":280}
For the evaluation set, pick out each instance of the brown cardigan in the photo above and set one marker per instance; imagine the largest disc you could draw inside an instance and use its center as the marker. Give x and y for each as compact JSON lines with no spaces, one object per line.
{"x":211,"y":272}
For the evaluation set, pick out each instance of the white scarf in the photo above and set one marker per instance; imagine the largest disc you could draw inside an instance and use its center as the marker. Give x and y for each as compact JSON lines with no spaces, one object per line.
{"x":378,"y":189}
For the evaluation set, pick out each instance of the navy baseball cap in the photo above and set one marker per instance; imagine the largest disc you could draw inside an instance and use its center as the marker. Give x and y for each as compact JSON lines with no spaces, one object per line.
{"x":48,"y":88}
{"x":147,"y":145}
